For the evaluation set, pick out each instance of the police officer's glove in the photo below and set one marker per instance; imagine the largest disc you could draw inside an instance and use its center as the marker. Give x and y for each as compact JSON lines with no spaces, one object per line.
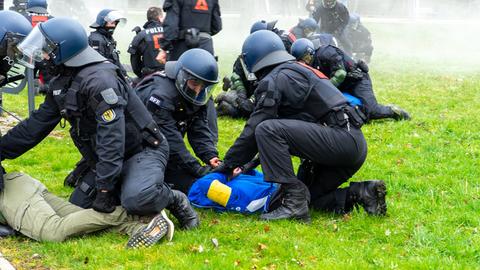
{"x":356,"y":74}
{"x":201,"y":171}
{"x":227,"y":83}
{"x":225,"y":169}
{"x":104,"y":202}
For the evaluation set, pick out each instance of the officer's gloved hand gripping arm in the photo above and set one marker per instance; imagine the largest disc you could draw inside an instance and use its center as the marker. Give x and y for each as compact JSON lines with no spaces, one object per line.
{"x":106,"y":100}
{"x":171,"y":25}
{"x":30,"y":131}
{"x":245,"y":147}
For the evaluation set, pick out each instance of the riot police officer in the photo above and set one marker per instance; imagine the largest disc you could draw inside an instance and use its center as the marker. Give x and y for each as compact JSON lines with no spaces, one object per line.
{"x":146,"y":44}
{"x":299,"y":112}
{"x":333,"y":18}
{"x":237,"y":100}
{"x":191,"y":24}
{"x":13,"y":28}
{"x":177,"y":99}
{"x":348,"y":75}
{"x":360,"y":38}
{"x":36,"y":12}
{"x":102,"y":38}
{"x":109,"y":125}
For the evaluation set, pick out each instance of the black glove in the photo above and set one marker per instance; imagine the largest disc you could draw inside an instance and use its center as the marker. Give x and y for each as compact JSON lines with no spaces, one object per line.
{"x":227,"y":83}
{"x":201,"y":171}
{"x":225,"y":169}
{"x":356,"y":74}
{"x":103,"y":202}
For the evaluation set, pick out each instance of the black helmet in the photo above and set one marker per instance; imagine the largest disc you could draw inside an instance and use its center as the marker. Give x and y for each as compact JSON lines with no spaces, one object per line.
{"x":64,"y":41}
{"x":262,"y":49}
{"x":200,"y":68}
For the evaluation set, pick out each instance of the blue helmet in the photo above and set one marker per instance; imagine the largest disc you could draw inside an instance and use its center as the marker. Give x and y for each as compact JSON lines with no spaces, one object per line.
{"x":195,"y":65}
{"x":13,"y":28}
{"x":108,"y":15}
{"x":63,"y":40}
{"x":302,"y":48}
{"x":308,"y":23}
{"x":262,"y":49}
{"x":37,"y":6}
{"x":263,"y":25}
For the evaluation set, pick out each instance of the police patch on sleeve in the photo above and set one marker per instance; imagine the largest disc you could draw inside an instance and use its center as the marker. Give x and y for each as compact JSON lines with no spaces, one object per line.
{"x":109,"y":115}
{"x":109,"y":96}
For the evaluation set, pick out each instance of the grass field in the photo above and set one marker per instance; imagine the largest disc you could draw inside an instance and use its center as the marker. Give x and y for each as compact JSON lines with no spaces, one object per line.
{"x":430,"y":165}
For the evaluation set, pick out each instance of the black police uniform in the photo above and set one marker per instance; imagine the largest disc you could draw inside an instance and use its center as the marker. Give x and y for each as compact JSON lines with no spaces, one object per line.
{"x":238,"y":102}
{"x":334,"y":21}
{"x":190,"y":24}
{"x":299,"y":112}
{"x":144,"y":49}
{"x":109,"y":128}
{"x":102,"y":41}
{"x":329,"y":59}
{"x":176,"y":117}
{"x":361,"y":40}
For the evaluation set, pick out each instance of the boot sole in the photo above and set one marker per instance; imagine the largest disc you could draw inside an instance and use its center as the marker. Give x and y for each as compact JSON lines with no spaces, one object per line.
{"x":152,"y":233}
{"x":380,"y":192}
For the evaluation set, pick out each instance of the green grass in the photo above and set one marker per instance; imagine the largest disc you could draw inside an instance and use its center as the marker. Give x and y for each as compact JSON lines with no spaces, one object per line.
{"x":430,"y":165}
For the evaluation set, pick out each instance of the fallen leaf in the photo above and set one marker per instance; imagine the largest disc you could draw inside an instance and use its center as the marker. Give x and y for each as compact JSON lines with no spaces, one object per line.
{"x":215,"y":242}
{"x":388,"y":232}
{"x":236,"y":263}
{"x":261,"y":247}
{"x":36,"y":256}
{"x":266,"y":228}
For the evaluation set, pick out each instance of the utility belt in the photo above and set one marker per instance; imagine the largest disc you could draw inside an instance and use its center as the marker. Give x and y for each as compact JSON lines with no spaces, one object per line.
{"x":192,"y":37}
{"x":344,"y":117}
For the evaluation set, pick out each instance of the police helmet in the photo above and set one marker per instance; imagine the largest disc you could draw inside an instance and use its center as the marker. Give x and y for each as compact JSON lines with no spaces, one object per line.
{"x":62,"y":40}
{"x":108,"y":16}
{"x":263,"y":25}
{"x":303,"y":49}
{"x":309,"y":26}
{"x":37,"y":6}
{"x":354,"y":21}
{"x":197,"y":68}
{"x":13,"y":28}
{"x":329,"y":3}
{"x":262,"y":49}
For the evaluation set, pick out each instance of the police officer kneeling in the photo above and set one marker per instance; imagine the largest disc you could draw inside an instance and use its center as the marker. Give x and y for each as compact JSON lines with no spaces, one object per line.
{"x":109,"y":125}
{"x":177,"y":99}
{"x":299,"y":112}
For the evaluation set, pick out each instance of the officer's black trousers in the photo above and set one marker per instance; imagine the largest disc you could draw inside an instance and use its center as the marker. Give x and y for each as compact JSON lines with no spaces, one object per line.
{"x":336,"y":152}
{"x":364,"y":91}
{"x":178,"y":178}
{"x":142,"y":188}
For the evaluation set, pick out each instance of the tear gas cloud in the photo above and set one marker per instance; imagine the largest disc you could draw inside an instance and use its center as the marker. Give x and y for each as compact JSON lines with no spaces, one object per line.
{"x":441,"y":34}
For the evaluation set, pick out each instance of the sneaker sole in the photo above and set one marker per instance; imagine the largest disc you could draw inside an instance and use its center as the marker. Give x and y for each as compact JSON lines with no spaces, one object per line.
{"x":153,"y":232}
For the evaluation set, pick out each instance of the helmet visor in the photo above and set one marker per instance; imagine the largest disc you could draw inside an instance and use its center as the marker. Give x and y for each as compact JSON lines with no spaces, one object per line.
{"x":116,"y":16}
{"x":194,"y":90}
{"x":34,"y":48}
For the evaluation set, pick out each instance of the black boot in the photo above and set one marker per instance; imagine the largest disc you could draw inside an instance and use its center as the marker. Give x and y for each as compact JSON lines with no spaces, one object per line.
{"x":183,"y":211}
{"x":6,"y":231}
{"x":296,"y":198}
{"x":370,"y":195}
